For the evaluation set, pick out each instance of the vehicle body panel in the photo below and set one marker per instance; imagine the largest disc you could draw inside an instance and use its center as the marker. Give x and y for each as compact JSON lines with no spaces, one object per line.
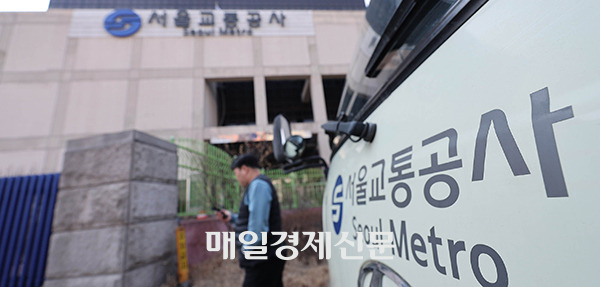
{"x":507,"y":52}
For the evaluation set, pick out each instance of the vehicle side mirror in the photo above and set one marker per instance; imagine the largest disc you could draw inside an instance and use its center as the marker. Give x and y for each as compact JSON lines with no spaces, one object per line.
{"x":288,"y":149}
{"x":281,"y":133}
{"x":294,"y":147}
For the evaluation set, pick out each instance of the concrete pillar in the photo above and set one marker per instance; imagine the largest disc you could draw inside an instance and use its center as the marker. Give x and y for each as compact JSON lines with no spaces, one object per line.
{"x":260,"y":88}
{"x":318,"y":100}
{"x":133,"y":88}
{"x":116,"y":213}
{"x":260,"y":102}
{"x":201,"y":94}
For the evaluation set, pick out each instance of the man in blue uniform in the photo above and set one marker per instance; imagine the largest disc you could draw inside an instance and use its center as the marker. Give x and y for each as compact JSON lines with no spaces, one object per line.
{"x":259,"y":212}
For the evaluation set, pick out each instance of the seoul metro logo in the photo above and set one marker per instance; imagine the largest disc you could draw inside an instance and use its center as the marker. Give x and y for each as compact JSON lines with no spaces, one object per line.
{"x":337,"y":205}
{"x":122,"y":23}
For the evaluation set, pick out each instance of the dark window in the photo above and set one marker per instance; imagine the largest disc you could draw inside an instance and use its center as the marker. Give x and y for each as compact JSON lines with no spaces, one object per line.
{"x":235,"y":103}
{"x":290,"y":98}
{"x":411,"y":27}
{"x":333,"y":89}
{"x":405,"y":34}
{"x":415,"y":30}
{"x":265,"y":150}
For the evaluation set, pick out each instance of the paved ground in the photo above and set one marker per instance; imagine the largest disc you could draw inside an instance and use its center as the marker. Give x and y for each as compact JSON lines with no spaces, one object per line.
{"x":226,"y":273}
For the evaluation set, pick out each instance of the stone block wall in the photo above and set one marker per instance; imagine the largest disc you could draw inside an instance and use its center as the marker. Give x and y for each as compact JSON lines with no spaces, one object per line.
{"x":116,"y":213}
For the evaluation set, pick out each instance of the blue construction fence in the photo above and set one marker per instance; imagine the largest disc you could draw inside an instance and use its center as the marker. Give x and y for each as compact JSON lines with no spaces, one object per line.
{"x":26,"y":211}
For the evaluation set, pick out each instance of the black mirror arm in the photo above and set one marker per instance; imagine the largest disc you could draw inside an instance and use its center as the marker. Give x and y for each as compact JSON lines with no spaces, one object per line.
{"x":305,"y":163}
{"x":364,"y":131}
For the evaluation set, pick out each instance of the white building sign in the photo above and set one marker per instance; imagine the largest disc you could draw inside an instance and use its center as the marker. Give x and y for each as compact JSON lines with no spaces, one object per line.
{"x":190,"y":23}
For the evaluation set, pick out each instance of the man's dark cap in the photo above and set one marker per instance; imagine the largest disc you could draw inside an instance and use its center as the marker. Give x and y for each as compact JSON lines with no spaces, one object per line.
{"x":247,"y":159}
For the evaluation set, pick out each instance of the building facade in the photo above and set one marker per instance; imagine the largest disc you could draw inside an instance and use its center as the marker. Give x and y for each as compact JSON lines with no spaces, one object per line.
{"x":218,"y":72}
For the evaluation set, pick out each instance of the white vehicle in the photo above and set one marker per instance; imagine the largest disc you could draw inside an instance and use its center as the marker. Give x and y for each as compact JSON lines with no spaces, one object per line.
{"x":475,"y":144}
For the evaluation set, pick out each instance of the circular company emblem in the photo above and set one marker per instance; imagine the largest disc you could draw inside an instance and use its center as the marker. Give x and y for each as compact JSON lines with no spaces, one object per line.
{"x":378,"y":272}
{"x":122,"y":23}
{"x":337,"y":205}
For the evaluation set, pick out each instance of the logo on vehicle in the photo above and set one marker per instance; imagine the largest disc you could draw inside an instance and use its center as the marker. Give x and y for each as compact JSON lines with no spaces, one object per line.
{"x":122,"y":23}
{"x":378,"y":272}
{"x":337,"y":205}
